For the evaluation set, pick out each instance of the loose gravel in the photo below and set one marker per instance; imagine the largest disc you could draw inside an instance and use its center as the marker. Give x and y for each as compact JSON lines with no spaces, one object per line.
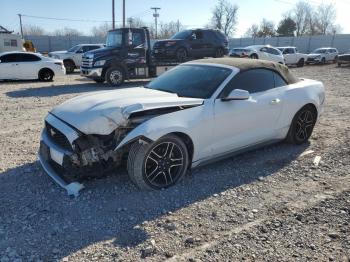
{"x":272,"y":204}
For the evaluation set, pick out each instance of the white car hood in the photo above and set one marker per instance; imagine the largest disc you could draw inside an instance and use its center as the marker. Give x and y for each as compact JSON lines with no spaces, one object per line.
{"x":313,"y":55}
{"x":102,"y":112}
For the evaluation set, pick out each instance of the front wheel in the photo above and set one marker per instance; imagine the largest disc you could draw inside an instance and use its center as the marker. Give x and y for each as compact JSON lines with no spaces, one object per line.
{"x":181,"y":55}
{"x":115,"y":76}
{"x":45,"y":75}
{"x":69,"y":65}
{"x":158,"y":165}
{"x":300,"y":63}
{"x":254,"y":56}
{"x":302,"y":125}
{"x":219,"y":52}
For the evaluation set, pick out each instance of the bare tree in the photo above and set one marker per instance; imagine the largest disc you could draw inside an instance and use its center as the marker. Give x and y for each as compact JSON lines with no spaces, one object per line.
{"x":326,"y":15}
{"x":252,"y":31}
{"x":166,"y":30}
{"x":135,"y":22}
{"x":267,"y":28}
{"x":301,"y":15}
{"x":33,"y":30}
{"x":101,"y":30}
{"x":225,"y":17}
{"x":67,"y":32}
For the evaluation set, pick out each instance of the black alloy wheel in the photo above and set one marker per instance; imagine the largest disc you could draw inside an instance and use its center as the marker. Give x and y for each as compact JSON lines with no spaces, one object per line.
{"x":164,"y":165}
{"x":302,"y":125}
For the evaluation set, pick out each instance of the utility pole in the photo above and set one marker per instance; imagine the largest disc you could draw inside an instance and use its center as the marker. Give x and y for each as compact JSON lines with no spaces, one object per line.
{"x":113,"y":16}
{"x":123,"y":13}
{"x":20,"y":23}
{"x":178,"y":25}
{"x":155,"y":15}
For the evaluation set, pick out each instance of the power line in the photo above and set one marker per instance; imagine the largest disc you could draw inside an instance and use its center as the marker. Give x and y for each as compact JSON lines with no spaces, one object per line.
{"x":68,"y":19}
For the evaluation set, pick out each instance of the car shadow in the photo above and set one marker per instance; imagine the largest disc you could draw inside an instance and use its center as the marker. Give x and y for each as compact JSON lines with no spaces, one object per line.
{"x":56,"y":90}
{"x":34,"y":210}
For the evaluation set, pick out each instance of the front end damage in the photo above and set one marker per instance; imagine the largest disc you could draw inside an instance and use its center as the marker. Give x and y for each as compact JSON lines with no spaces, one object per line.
{"x":68,"y":155}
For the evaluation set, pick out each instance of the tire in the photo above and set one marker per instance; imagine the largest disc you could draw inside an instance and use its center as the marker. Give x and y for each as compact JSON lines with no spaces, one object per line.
{"x":99,"y":80}
{"x":69,"y":65}
{"x":254,"y":56}
{"x":181,"y":55}
{"x":323,"y":61}
{"x":219,"y":52}
{"x":300,"y":63}
{"x":46,"y":75}
{"x":115,"y":76}
{"x":302,"y":125}
{"x":158,"y":165}
{"x":339,"y":64}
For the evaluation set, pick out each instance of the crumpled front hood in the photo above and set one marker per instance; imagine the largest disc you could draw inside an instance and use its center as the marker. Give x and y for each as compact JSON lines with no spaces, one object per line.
{"x":102,"y":112}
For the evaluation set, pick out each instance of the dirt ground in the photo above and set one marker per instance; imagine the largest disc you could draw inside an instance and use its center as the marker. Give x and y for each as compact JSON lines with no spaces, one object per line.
{"x":272,"y":204}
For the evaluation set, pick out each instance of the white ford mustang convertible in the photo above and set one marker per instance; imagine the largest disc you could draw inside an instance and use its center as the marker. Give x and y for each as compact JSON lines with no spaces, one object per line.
{"x":197,"y":112}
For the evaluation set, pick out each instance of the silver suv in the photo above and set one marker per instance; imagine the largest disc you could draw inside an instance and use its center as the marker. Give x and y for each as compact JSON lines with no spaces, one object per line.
{"x":72,"y":57}
{"x":322,"y":55}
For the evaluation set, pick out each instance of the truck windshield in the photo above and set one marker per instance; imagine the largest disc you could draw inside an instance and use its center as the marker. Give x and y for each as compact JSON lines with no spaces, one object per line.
{"x":197,"y":81}
{"x":182,"y":34}
{"x":114,"y":38}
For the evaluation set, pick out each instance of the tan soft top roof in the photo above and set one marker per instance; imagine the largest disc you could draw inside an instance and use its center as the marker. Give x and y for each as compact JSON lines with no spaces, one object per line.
{"x":245,"y":64}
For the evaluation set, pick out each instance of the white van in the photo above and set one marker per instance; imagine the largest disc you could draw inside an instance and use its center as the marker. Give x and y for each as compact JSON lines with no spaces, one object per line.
{"x":10,"y":42}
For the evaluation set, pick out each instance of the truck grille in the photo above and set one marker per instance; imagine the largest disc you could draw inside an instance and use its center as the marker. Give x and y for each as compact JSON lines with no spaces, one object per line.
{"x":86,"y":62}
{"x":58,"y":137}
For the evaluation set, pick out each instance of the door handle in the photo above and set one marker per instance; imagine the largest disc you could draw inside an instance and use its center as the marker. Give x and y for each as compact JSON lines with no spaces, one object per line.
{"x":275,"y":101}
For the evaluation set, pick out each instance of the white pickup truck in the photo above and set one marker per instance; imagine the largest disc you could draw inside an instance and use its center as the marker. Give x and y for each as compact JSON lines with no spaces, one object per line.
{"x":72,"y":57}
{"x":292,"y":56}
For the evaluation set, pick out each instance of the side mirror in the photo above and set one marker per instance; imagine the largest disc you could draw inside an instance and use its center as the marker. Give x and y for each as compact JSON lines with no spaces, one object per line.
{"x":237,"y":94}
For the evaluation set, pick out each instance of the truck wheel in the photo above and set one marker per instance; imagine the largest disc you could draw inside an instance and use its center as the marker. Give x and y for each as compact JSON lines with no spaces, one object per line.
{"x":115,"y":76}
{"x":158,"y":165}
{"x":69,"y":65}
{"x":181,"y":54}
{"x":300,"y":63}
{"x":219,"y":52}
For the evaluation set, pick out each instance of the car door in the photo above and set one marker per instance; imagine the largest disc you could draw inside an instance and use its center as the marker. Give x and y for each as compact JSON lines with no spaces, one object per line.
{"x":263,"y":53}
{"x":7,"y":66}
{"x":241,"y":123}
{"x":208,"y":43}
{"x":77,"y":57}
{"x":28,"y":66}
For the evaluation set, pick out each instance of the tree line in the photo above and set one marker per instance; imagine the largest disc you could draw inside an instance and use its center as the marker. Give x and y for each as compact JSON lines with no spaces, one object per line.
{"x":301,"y":19}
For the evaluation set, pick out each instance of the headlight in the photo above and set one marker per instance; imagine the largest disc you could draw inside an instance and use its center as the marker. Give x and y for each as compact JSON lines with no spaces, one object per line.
{"x":100,"y":63}
{"x":172,"y":43}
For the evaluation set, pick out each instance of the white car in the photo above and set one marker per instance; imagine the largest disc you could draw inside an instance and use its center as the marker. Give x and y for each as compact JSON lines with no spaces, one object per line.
{"x":194,"y":113}
{"x":73,"y":56}
{"x":27,"y":66}
{"x":265,"y":52}
{"x":322,"y":55}
{"x":292,"y":56}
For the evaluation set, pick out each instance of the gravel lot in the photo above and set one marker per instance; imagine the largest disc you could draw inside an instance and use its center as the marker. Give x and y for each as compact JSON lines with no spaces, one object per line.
{"x":271,"y":204}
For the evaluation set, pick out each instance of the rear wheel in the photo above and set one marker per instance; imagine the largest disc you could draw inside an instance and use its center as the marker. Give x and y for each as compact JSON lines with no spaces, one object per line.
{"x":323,"y":61}
{"x":300,"y":63}
{"x":219,"y":52}
{"x":45,"y":75}
{"x":115,"y":76}
{"x":158,"y":165}
{"x":69,"y":65}
{"x":302,"y":125}
{"x":181,"y":54}
{"x":254,"y":56}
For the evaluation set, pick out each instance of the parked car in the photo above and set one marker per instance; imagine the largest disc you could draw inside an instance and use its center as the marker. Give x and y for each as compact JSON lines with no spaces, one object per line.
{"x":196,"y":43}
{"x":265,"y":52}
{"x":344,"y":59}
{"x":73,"y":56}
{"x":239,"y":52}
{"x":195,"y":113}
{"x":322,"y":55}
{"x":292,"y":56}
{"x":25,"y":66}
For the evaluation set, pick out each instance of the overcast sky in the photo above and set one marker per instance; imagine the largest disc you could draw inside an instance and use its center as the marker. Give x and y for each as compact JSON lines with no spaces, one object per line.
{"x":191,"y":13}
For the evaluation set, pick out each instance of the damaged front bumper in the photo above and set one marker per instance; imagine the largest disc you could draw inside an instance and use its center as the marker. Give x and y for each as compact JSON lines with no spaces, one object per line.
{"x":53,"y":155}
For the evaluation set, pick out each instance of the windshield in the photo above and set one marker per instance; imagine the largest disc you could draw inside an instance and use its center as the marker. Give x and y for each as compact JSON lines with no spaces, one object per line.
{"x":114,"y":38}
{"x":197,"y":81}
{"x":74,"y":49}
{"x":182,"y":34}
{"x":319,"y":51}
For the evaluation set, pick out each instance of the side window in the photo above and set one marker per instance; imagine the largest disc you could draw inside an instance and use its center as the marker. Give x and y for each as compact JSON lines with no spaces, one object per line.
{"x":254,"y":81}
{"x":273,"y":51}
{"x":85,"y":48}
{"x":279,"y":81}
{"x":28,"y":58}
{"x":93,"y":47}
{"x":137,"y":39}
{"x":198,"y":34}
{"x":10,"y":58}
